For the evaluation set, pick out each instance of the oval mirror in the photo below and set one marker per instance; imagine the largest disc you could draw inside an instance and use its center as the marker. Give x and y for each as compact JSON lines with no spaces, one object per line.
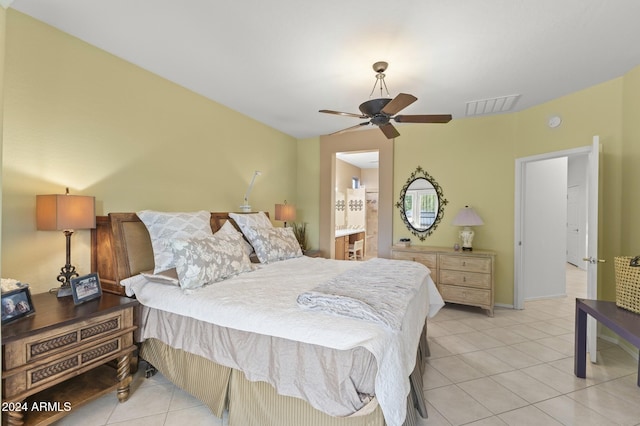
{"x":421,"y":203}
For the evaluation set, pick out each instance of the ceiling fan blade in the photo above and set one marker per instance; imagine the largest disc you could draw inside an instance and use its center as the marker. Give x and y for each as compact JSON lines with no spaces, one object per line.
{"x":389,"y":131}
{"x":346,"y":114}
{"x":433,"y":118}
{"x":398,"y":103}
{"x":350,"y":128}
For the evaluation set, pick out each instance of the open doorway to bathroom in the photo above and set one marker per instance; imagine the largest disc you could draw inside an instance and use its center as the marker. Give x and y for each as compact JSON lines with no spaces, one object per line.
{"x":356,"y":195}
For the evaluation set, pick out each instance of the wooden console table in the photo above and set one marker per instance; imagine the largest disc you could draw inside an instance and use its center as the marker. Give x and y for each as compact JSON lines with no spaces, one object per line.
{"x":625,"y":323}
{"x":54,"y":360}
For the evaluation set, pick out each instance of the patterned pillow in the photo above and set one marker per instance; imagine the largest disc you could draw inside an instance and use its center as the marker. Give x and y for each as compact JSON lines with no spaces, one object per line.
{"x":228,"y":228}
{"x":164,"y":227}
{"x":258,"y":220}
{"x":207,"y":260}
{"x":273,"y":244}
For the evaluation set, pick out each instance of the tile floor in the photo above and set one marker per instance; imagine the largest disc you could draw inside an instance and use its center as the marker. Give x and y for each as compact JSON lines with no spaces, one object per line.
{"x":513,"y":369}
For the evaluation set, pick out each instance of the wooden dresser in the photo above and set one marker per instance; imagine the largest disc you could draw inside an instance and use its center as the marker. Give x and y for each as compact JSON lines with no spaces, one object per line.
{"x":54,"y":361}
{"x":463,"y":277}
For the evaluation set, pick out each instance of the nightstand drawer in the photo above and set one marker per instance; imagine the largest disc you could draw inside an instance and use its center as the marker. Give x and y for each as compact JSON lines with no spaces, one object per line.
{"x":427,"y":259}
{"x":467,"y":279}
{"x":465,"y":295}
{"x":67,"y":366}
{"x":74,"y":336}
{"x":466,"y":263}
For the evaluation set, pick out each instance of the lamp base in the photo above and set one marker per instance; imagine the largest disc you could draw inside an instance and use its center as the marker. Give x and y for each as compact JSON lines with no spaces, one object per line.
{"x":245,"y":208}
{"x":64,"y":291}
{"x":467,"y":237}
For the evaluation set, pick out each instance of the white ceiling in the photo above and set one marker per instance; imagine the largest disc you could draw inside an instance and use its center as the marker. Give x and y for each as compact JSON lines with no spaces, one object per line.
{"x":362,"y":160}
{"x":281,"y":61}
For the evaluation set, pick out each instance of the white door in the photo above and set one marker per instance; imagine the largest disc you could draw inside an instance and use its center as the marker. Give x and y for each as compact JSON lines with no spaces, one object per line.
{"x":545,"y":218}
{"x":573,"y":226}
{"x":592,"y":240}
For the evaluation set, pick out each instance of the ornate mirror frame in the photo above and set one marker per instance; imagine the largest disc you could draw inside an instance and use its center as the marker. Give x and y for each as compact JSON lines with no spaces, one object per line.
{"x":420,"y":173}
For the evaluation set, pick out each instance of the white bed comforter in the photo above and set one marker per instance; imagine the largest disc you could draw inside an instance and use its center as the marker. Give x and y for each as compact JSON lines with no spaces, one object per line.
{"x":265,"y":301}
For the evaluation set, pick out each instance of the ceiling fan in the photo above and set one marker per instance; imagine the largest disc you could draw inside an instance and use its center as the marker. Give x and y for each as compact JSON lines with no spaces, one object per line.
{"x":381,"y":111}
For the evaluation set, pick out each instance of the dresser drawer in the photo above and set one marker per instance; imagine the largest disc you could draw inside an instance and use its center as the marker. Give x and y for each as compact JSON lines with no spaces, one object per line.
{"x":465,"y":295}
{"x":466,"y":263}
{"x":467,"y":279}
{"x":427,"y":259}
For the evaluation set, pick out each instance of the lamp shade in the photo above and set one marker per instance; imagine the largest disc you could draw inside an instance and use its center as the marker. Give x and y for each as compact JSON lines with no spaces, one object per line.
{"x":59,"y":212}
{"x":467,"y":216}
{"x":285,"y":212}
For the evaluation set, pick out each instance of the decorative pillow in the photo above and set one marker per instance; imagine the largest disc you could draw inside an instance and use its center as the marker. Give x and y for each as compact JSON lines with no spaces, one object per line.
{"x":228,"y":228}
{"x":207,"y":260}
{"x":164,"y":227}
{"x":170,"y":276}
{"x":257,"y":220}
{"x":273,"y":244}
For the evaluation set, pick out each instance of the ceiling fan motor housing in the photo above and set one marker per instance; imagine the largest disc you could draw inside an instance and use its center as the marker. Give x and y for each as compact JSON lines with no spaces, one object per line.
{"x":373,"y":107}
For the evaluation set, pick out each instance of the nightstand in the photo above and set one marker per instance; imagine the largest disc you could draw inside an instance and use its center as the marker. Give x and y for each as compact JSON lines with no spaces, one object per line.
{"x":55,"y":360}
{"x":312,"y":253}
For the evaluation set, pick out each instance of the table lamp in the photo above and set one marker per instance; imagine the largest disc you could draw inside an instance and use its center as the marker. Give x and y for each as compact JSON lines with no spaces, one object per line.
{"x":64,"y":212}
{"x":467,"y":217}
{"x":285,"y":212}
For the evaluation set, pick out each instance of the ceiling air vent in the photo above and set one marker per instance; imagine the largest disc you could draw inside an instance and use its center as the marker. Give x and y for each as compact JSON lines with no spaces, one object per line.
{"x":491,"y":105}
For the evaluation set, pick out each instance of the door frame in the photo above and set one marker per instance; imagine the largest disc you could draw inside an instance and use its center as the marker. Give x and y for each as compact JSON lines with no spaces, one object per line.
{"x":520,"y":170}
{"x":361,"y":140}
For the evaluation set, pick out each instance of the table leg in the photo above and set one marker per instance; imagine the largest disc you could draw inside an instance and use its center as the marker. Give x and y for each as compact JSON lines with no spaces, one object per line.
{"x":580,"y":344}
{"x":124,"y":377}
{"x":15,"y":418}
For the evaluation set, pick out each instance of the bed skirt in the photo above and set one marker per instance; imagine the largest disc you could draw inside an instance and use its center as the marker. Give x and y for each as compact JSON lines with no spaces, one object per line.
{"x":253,"y":403}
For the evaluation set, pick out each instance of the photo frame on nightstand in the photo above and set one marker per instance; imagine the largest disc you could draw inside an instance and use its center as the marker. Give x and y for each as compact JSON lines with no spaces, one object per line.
{"x":85,"y":288}
{"x":16,"y":304}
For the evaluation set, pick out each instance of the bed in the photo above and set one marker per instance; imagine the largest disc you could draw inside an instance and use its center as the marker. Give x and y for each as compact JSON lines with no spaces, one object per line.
{"x":331,"y":377}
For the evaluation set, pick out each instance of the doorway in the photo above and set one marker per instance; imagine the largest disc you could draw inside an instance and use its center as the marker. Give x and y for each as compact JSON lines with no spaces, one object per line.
{"x":541,"y":208}
{"x":363,"y":140}
{"x":356,"y":207}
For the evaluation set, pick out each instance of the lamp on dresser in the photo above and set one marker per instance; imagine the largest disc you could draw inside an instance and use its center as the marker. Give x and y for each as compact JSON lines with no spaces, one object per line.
{"x":285,"y":212}
{"x":66,"y":213}
{"x":467,"y":217}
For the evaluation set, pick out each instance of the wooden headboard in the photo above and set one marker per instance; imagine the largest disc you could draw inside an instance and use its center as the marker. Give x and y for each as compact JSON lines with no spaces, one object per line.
{"x":121,"y":247}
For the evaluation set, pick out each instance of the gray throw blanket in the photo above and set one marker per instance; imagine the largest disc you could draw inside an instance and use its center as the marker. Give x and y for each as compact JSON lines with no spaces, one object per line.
{"x":377,"y":290}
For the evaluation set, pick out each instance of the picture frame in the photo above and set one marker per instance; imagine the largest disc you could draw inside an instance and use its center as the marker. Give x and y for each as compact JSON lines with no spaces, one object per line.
{"x":85,"y":288}
{"x":17,"y":304}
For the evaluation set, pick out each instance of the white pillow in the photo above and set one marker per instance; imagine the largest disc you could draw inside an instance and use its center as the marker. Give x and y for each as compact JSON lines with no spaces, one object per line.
{"x":273,"y":244}
{"x":207,"y":260}
{"x":227,"y":229}
{"x":164,"y":227}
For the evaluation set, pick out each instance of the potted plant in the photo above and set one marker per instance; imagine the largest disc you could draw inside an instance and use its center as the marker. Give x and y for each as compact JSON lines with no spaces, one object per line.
{"x":300,"y":231}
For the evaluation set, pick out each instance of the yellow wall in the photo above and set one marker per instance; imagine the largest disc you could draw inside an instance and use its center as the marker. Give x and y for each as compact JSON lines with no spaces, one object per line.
{"x":630,"y":182}
{"x":473,"y":162}
{"x":308,"y":188}
{"x":78,"y":117}
{"x":3,"y":26}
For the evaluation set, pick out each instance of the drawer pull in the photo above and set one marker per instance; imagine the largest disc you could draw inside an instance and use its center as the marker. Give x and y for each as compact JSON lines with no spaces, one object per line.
{"x":464,"y":279}
{"x":464,"y":263}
